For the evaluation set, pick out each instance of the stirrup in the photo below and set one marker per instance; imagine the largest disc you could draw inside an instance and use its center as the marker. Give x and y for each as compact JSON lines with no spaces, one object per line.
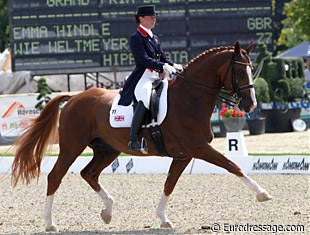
{"x":144,"y":148}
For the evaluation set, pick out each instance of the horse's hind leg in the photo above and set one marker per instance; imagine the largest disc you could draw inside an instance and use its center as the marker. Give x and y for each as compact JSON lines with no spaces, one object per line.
{"x":220,"y":160}
{"x":66,"y":157}
{"x":175,"y":171}
{"x":103,"y":157}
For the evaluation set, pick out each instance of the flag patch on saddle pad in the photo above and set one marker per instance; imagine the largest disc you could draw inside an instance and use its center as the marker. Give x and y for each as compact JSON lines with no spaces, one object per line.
{"x":121,"y":116}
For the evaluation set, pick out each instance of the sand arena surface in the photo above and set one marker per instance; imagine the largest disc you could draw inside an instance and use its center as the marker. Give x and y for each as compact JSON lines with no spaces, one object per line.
{"x":198,"y":201}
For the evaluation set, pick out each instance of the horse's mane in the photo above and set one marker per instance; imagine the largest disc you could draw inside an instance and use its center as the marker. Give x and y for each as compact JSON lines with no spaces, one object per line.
{"x":201,"y":56}
{"x":207,"y":53}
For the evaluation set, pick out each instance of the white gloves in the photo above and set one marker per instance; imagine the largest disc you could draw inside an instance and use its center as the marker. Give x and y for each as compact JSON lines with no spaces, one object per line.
{"x":178,"y":67}
{"x":170,"y":70}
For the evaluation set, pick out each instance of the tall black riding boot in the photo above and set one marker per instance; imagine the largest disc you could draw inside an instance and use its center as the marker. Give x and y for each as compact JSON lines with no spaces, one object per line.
{"x":136,"y":124}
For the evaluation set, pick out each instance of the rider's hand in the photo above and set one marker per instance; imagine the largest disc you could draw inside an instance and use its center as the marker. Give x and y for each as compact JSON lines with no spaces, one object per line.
{"x":169,"y":69}
{"x":178,"y":67}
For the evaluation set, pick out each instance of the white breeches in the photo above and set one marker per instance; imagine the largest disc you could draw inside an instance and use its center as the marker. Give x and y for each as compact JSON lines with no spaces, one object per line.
{"x":144,"y":87}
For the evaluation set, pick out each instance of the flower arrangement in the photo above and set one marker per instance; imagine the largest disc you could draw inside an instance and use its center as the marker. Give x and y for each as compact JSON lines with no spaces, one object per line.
{"x":231,"y":112}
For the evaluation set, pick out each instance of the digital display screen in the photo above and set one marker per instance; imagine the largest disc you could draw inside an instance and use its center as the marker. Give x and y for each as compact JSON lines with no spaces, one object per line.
{"x":87,"y":34}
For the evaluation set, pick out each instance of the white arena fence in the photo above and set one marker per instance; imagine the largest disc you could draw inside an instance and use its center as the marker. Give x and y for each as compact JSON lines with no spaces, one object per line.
{"x":286,"y":164}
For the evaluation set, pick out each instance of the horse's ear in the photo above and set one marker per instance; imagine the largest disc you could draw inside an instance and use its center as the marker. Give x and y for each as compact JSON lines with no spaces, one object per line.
{"x":249,"y":48}
{"x":237,"y":48}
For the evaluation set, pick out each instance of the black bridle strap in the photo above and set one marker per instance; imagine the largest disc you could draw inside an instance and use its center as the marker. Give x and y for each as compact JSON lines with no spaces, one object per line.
{"x":206,"y":90}
{"x":212,"y":91}
{"x":235,"y":94}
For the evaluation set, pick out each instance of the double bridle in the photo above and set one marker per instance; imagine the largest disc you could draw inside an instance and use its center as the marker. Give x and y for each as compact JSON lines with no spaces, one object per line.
{"x":234,"y":96}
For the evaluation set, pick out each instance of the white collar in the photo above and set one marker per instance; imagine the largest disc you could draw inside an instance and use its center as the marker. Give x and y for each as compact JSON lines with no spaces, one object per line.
{"x":149,"y":32}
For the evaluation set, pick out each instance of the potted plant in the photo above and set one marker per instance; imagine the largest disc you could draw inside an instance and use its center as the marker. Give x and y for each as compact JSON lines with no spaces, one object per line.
{"x":255,"y":122}
{"x":285,"y":79}
{"x":233,"y":118}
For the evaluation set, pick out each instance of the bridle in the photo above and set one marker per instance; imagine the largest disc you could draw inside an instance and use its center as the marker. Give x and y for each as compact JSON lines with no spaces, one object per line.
{"x":235,"y":95}
{"x":231,"y":97}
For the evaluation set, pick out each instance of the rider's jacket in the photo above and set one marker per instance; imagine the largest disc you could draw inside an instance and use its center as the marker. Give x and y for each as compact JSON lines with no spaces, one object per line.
{"x":148,"y":54}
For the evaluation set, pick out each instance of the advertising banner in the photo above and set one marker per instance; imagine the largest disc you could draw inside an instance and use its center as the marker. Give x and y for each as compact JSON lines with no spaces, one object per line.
{"x":16,"y":112}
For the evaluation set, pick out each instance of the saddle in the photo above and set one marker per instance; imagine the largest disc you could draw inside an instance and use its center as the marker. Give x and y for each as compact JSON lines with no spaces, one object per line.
{"x":121,"y":116}
{"x":152,"y":114}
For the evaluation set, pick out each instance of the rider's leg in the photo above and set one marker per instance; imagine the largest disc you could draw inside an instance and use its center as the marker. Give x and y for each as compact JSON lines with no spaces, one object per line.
{"x":136,"y":124}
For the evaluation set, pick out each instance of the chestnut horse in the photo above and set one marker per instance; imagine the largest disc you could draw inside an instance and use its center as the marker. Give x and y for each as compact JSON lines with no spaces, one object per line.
{"x":84,"y":121}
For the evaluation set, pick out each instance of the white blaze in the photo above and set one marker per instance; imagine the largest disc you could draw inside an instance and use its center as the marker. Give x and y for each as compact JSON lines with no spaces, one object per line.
{"x":252,"y":91}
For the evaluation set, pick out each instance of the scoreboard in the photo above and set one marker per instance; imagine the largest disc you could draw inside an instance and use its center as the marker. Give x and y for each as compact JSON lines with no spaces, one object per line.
{"x":91,"y":34}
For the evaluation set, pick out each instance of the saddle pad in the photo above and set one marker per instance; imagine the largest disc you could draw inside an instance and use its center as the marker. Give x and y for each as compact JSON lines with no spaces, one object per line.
{"x":121,"y":116}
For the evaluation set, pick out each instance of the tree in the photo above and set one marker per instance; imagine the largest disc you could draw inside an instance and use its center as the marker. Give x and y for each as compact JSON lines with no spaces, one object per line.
{"x":4,"y":25}
{"x":44,"y":92}
{"x":296,"y":26}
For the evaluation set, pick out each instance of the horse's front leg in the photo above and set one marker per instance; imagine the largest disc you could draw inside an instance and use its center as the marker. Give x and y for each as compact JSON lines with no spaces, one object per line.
{"x":261,"y":194}
{"x":218,"y":159}
{"x":176,"y":169}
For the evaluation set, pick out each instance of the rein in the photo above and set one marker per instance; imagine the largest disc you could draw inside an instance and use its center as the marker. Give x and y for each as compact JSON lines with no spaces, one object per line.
{"x":235,"y":94}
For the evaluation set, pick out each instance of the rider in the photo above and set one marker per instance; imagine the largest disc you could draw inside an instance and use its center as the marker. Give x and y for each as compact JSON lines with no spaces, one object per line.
{"x":150,"y":63}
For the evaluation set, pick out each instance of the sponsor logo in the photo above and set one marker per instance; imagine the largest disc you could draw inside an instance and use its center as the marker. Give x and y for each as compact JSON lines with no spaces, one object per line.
{"x":4,"y":126}
{"x":14,"y":106}
{"x":268,"y":166}
{"x":119,"y":118}
{"x":129,"y":165}
{"x":21,"y":110}
{"x":300,"y":166}
{"x":26,"y":112}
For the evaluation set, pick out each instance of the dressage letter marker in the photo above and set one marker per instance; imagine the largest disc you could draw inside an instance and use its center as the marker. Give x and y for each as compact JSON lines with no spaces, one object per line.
{"x":235,"y":144}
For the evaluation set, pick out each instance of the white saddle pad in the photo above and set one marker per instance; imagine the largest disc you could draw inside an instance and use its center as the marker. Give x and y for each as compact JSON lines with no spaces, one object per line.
{"x":121,"y":116}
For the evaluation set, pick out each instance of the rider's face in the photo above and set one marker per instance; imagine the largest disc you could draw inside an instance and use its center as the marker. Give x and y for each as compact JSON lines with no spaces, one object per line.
{"x":148,"y":21}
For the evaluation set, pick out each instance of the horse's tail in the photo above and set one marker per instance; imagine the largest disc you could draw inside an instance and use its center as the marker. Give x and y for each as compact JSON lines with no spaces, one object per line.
{"x":32,"y":144}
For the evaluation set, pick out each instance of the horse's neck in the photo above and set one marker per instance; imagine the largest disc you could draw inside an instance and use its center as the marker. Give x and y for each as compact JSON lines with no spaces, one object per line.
{"x":188,"y":100}
{"x":200,"y":94}
{"x":206,"y":71}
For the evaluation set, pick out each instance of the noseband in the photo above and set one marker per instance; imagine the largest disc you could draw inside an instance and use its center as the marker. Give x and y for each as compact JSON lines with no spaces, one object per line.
{"x":234,"y":95}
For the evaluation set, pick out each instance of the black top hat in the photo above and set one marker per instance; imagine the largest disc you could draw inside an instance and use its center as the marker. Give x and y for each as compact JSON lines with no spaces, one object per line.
{"x":146,"y":10}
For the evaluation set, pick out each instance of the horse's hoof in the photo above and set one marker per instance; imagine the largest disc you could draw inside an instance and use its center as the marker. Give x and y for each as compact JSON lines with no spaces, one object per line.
{"x":264,"y":196}
{"x":167,"y":224}
{"x":52,"y":228}
{"x":106,"y":216}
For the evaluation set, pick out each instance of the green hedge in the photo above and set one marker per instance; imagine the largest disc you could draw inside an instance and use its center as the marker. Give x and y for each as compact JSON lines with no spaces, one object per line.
{"x":284,"y":77}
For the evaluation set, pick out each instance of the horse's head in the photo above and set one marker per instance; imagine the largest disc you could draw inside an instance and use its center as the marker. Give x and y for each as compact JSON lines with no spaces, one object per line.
{"x":237,"y":78}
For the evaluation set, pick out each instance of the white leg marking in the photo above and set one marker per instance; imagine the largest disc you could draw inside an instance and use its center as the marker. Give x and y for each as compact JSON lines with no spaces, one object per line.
{"x":261,"y":194}
{"x":49,"y":225}
{"x":160,"y":211}
{"x":106,"y":213}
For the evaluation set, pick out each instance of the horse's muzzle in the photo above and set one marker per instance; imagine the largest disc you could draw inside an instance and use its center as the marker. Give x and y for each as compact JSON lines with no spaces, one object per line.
{"x":247,"y":105}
